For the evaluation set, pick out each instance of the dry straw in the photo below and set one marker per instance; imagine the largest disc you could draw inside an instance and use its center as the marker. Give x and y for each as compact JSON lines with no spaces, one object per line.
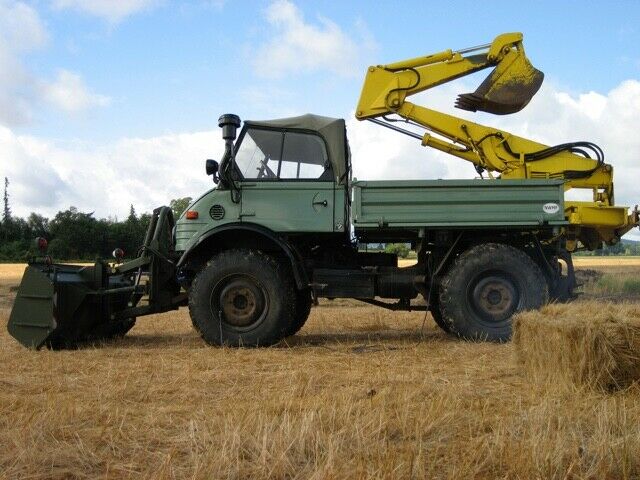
{"x":596,"y":346}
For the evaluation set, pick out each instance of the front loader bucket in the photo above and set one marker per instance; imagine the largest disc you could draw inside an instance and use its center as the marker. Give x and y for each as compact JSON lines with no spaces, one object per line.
{"x":62,"y":305}
{"x":507,"y":89}
{"x":32,"y":321}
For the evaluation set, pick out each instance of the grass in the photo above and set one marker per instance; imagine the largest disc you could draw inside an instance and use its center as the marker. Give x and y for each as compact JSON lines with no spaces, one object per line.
{"x":610,"y":284}
{"x":359,"y":393}
{"x":617,"y":284}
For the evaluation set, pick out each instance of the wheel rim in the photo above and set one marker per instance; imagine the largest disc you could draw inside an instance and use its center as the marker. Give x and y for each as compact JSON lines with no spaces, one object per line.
{"x":494,"y":297}
{"x":240,"y":301}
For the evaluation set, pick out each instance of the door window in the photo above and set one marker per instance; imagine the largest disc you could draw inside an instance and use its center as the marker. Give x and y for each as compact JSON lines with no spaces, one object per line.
{"x":304,"y":157}
{"x":271,"y":155}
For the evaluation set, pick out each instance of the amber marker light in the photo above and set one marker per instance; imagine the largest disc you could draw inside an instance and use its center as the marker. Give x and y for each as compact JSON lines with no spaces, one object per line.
{"x":192,"y":215}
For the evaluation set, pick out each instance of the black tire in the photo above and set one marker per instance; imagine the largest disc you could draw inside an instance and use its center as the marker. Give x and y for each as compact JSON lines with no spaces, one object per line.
{"x":242,"y":298}
{"x":436,"y":313}
{"x":486,"y":286}
{"x":303,"y":308}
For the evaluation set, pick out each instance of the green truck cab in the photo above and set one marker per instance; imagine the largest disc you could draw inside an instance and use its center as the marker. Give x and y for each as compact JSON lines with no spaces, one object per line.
{"x":288,"y":176}
{"x":283,"y":225}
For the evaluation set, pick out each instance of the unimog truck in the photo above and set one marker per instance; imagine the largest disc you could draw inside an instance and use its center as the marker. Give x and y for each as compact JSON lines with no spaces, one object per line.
{"x":282,"y":226}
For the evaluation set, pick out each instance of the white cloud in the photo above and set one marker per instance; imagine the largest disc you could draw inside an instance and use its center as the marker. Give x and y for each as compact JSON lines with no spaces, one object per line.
{"x":34,"y":181}
{"x":112,"y":11}
{"x":47,"y":176}
{"x":21,"y":92}
{"x":379,"y":153}
{"x":69,"y":93}
{"x":298,"y":46}
{"x":21,"y":31}
{"x":591,"y":104}
{"x":21,"y":27}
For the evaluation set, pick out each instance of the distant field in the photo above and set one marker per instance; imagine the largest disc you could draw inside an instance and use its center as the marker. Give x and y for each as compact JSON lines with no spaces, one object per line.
{"x":606,"y":261}
{"x":359,"y":393}
{"x":11,"y":271}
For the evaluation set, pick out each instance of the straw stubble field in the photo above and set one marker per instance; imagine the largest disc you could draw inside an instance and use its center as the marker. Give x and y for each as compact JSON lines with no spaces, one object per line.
{"x":359,"y":393}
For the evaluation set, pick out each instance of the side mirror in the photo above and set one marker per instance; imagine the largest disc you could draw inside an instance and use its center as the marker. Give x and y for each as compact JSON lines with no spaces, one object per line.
{"x":212,"y":168}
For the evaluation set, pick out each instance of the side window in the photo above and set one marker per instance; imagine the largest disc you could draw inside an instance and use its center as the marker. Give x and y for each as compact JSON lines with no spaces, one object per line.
{"x":259,"y":154}
{"x":304,"y":156}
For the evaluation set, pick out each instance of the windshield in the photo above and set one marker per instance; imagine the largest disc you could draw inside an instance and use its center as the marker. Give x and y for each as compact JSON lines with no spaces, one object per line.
{"x":259,"y":154}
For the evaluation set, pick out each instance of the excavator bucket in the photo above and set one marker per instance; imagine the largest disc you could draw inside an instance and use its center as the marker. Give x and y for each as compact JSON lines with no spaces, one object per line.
{"x":507,"y":89}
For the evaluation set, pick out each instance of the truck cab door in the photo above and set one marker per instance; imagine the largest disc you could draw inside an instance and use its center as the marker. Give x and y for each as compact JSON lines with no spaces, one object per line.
{"x":287,"y":181}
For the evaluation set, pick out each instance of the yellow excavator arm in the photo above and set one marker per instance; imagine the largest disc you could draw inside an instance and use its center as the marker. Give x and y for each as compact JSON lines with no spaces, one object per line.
{"x":508,"y":89}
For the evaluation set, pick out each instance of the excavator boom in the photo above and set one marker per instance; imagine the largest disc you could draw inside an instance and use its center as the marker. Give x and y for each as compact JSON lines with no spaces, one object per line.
{"x":508,"y":89}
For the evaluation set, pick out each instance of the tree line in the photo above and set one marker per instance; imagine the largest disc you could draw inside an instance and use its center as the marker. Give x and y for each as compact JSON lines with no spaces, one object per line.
{"x":72,"y":234}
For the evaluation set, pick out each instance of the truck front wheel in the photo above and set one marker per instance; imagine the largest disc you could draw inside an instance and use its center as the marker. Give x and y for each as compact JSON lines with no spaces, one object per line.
{"x":486,"y":286}
{"x":242,"y":298}
{"x":303,"y":308}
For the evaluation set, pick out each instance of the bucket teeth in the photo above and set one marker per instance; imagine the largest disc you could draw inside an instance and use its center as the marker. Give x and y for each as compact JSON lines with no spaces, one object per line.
{"x":469,"y":101}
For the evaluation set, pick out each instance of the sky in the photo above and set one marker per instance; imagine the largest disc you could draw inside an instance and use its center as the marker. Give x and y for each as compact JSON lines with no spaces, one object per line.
{"x":108,"y":103}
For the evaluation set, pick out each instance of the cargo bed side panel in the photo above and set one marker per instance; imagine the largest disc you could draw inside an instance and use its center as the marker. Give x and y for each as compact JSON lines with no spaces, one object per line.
{"x":458,"y":203}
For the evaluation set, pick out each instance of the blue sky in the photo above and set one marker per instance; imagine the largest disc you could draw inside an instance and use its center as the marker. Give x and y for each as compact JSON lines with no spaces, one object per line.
{"x":104,"y":103}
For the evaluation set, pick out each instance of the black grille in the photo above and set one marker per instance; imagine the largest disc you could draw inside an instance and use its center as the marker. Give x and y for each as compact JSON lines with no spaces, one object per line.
{"x":217,"y":212}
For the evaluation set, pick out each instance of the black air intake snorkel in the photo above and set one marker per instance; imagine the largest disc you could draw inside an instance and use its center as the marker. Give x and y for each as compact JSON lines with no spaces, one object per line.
{"x":229,"y":123}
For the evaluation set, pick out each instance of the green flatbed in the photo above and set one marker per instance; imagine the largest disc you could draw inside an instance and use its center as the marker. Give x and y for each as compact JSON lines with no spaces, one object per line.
{"x":457,"y":203}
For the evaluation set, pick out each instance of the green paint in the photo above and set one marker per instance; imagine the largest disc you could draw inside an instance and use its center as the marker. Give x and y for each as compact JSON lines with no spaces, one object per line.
{"x":457,"y":203}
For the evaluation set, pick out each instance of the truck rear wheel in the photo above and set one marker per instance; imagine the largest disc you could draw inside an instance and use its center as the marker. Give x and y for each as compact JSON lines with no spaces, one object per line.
{"x":436,"y":313}
{"x":242,"y":298}
{"x":486,"y":286}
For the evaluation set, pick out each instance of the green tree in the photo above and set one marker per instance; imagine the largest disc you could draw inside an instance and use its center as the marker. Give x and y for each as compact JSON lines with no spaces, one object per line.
{"x":72,"y":235}
{"x":132,"y":214}
{"x":5,"y":226}
{"x":129,"y":234}
{"x":77,"y":235}
{"x":6,"y":212}
{"x":38,"y":226}
{"x":179,"y":205}
{"x":400,"y":249}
